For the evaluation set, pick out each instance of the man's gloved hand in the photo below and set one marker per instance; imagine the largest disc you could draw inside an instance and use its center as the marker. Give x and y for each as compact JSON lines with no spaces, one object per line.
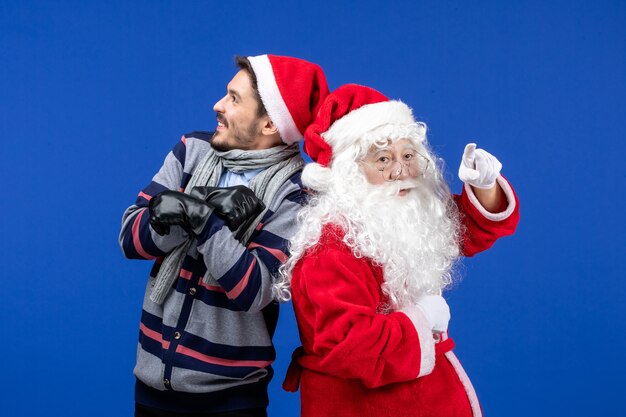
{"x":173,"y":208}
{"x":235,"y":205}
{"x":436,"y":311}
{"x":479,"y":168}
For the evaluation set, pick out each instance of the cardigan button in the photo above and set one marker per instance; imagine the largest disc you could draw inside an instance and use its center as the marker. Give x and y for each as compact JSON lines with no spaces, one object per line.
{"x":177,"y":335}
{"x":192,"y":291}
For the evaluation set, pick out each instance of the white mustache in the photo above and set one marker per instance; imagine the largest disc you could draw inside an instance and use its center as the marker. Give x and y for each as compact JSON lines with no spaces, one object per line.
{"x":392,"y":189}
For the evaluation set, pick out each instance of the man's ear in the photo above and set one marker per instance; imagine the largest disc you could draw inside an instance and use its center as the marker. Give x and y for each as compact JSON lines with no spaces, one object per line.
{"x":269,"y":128}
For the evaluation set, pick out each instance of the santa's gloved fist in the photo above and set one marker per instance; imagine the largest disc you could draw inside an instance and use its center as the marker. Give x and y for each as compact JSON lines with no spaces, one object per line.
{"x":479,"y":168}
{"x":235,"y":204}
{"x":436,"y":311}
{"x":173,"y":208}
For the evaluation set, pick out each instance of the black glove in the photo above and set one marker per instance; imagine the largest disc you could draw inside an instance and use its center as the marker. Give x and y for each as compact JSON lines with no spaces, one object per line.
{"x":236,"y":205}
{"x":173,"y":208}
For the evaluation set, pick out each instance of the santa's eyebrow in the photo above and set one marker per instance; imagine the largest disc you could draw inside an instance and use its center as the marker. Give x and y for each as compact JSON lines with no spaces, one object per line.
{"x":387,"y":149}
{"x":381,"y":150}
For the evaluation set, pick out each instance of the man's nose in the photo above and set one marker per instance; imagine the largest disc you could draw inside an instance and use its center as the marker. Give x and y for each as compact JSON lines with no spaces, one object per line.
{"x":219,"y":106}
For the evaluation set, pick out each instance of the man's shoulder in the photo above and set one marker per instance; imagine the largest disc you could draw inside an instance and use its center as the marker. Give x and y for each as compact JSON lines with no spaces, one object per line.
{"x":192,"y":148}
{"x":291,"y":190}
{"x":202,"y":135}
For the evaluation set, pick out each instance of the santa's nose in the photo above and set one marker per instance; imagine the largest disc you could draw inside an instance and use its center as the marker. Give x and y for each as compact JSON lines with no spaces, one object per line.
{"x":398,"y":171}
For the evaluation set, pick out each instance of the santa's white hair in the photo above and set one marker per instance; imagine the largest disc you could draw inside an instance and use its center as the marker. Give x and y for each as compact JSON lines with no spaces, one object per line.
{"x":413,"y":238}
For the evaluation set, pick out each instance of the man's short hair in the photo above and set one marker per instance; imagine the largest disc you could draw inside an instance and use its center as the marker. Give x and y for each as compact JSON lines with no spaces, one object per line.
{"x":244,"y":64}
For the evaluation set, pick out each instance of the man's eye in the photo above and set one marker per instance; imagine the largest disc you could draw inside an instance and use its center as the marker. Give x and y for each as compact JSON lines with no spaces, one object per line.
{"x":234,"y":99}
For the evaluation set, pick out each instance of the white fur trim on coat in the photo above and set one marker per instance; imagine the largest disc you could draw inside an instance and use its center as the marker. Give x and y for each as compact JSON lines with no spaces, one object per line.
{"x":467,"y":384}
{"x":425,"y":335}
{"x":496,"y":217}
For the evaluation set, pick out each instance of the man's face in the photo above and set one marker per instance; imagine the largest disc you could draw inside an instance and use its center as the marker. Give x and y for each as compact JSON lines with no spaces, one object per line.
{"x":238,"y":123}
{"x":398,"y":161}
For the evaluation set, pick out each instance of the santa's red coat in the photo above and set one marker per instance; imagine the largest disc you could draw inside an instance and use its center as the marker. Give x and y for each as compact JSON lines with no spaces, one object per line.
{"x":358,"y":361}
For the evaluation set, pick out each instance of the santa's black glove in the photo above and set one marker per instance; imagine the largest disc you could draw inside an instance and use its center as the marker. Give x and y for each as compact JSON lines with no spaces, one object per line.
{"x":236,"y":205}
{"x":173,"y":208}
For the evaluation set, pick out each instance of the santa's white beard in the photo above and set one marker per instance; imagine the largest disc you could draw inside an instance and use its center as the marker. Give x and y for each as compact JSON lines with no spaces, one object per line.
{"x":413,"y":238}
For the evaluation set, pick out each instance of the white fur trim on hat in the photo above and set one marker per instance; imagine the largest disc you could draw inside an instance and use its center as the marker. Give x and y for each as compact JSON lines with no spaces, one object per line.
{"x":273,"y":100}
{"x":355,"y":124}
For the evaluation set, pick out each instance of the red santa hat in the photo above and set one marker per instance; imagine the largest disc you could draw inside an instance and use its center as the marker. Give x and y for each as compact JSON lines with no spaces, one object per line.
{"x":346,"y":117}
{"x":291,"y":90}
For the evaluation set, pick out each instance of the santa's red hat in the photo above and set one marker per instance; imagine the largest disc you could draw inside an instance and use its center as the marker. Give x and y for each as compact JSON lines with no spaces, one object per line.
{"x":292,"y":90}
{"x":346,"y":115}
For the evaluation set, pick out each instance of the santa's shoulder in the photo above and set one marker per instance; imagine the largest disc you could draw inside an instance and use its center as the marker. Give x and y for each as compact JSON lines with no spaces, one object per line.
{"x":333,"y":260}
{"x":332,"y":236}
{"x":332,"y":239}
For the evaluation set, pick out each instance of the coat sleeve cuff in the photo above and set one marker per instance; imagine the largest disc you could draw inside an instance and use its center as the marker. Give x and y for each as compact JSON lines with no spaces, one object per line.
{"x":426,"y":340}
{"x":496,"y":217}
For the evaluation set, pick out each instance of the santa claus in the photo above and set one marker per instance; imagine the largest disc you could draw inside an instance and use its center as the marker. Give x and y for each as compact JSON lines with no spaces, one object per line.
{"x":377,"y":244}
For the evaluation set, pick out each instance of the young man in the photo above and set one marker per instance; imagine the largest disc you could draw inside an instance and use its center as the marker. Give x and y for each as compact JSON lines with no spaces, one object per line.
{"x":217,"y":217}
{"x":375,"y":249}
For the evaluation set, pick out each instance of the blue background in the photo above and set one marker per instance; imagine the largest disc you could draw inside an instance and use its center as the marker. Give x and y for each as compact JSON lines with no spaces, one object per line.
{"x":94,"y":94}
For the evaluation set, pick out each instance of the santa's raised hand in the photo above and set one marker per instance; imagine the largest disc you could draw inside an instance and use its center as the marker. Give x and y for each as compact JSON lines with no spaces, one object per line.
{"x":479,"y":168}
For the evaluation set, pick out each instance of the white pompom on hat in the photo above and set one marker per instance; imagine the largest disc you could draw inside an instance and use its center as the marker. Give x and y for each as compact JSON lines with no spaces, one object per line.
{"x":292,"y":90}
